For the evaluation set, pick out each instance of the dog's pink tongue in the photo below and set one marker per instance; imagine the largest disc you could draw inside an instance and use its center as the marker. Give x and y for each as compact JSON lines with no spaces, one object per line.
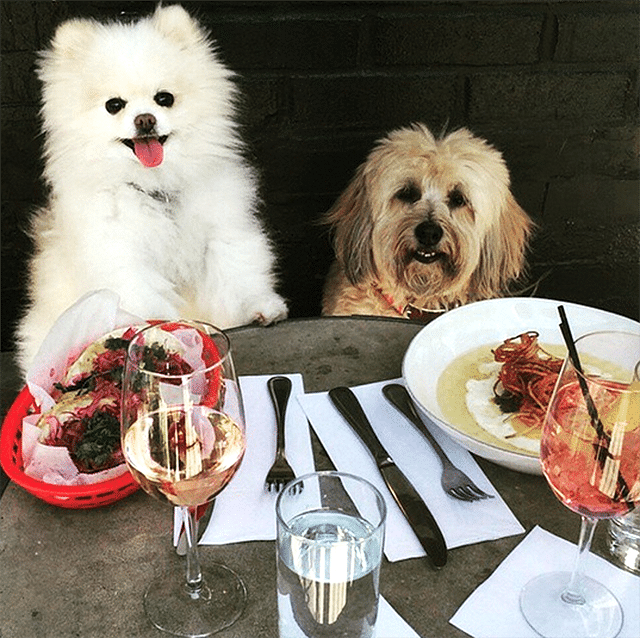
{"x":149,"y":151}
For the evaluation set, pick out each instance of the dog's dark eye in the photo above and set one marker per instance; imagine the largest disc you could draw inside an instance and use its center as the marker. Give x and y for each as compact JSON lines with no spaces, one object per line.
{"x":409,"y":194}
{"x":164,"y":98}
{"x":114,"y":105}
{"x":456,"y":199}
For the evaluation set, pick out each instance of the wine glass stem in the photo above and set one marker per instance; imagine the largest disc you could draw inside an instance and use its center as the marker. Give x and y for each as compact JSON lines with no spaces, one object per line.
{"x":573,"y":595}
{"x":194,"y":573}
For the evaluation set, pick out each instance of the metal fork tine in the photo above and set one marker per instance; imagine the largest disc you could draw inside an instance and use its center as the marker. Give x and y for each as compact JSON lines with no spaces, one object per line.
{"x":478,"y":492}
{"x":475,"y":491}
{"x":462,"y":494}
{"x":474,"y":496}
{"x":277,"y":485}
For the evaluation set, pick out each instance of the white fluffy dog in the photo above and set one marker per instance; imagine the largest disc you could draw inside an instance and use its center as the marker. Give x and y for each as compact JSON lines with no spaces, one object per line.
{"x":149,"y":194}
{"x":425,"y":225}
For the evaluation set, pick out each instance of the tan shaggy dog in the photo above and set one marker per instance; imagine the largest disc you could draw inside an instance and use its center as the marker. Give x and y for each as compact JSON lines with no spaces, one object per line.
{"x":425,"y":225}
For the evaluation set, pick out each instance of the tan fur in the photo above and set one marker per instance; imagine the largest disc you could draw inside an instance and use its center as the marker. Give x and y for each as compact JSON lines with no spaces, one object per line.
{"x":412,"y":184}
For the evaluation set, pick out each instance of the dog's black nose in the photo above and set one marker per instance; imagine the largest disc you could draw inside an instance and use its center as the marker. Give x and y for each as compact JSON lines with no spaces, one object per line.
{"x":428,"y":233}
{"x":145,"y":123}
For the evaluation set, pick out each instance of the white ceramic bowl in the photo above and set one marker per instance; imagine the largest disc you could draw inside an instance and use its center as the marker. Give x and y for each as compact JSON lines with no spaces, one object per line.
{"x":489,"y":323}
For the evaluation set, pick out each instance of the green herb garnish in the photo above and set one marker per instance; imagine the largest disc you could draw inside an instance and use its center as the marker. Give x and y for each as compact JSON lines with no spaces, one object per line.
{"x":101,"y":438}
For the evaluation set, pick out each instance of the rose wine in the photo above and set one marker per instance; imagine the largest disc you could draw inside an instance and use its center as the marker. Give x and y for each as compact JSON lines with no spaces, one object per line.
{"x":184,"y":457}
{"x":586,"y":468}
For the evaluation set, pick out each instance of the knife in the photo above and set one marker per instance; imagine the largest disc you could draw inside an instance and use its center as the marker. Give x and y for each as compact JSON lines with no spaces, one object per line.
{"x":405,"y":495}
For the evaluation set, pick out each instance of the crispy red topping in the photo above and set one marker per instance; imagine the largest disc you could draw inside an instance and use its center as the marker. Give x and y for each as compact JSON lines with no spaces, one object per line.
{"x":526,"y":379}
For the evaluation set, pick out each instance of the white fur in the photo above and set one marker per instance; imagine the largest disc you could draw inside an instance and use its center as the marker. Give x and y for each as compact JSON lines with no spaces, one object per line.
{"x":177,"y":240}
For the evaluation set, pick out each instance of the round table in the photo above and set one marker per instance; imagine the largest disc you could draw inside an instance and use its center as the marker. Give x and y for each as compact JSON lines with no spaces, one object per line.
{"x":67,"y":573}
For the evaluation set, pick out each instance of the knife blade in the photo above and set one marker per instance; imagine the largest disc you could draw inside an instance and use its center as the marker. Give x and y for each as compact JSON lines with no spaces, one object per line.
{"x":341,"y":499}
{"x":405,"y":495}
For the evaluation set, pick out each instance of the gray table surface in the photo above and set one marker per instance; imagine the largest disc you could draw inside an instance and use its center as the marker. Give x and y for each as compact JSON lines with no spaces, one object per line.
{"x":82,"y":573}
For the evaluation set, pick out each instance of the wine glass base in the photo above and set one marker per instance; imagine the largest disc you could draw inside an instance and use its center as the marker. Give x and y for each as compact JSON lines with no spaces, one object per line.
{"x":600,"y":616}
{"x":172,"y":608}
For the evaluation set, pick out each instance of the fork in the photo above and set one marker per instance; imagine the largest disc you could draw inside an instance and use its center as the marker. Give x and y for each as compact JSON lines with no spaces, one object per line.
{"x":281,"y":472}
{"x":454,"y":482}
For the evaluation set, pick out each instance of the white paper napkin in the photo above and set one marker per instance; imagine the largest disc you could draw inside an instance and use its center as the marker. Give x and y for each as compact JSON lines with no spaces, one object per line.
{"x":390,"y":624}
{"x":462,"y":523}
{"x":245,"y":510}
{"x":493,"y":610}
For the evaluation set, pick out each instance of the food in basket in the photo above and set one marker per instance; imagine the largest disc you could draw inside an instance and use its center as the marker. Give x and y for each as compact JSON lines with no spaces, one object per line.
{"x":86,"y":416}
{"x":88,"y":426}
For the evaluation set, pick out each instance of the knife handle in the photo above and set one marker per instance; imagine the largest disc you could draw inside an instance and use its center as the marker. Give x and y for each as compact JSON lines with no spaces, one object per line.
{"x":349,"y":406}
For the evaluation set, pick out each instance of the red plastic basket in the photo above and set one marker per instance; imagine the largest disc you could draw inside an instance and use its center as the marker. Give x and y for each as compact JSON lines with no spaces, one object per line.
{"x":70,"y":496}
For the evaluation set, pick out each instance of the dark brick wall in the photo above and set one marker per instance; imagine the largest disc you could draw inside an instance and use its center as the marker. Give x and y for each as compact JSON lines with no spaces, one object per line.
{"x":553,"y":85}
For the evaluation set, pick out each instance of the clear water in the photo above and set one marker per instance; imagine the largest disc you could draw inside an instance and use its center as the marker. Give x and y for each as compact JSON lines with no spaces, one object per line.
{"x":624,"y":540}
{"x":328,"y":577}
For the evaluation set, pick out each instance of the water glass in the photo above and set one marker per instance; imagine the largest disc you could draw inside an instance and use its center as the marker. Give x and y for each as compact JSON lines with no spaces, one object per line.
{"x":624,"y":532}
{"x":624,"y":540}
{"x":330,"y":535}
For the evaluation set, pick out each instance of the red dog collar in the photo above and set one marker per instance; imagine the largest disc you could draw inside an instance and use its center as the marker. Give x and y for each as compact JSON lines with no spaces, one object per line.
{"x":409,"y":311}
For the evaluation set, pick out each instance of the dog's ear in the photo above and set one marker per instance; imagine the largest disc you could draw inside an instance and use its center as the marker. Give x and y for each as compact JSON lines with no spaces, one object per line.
{"x":175,"y":23}
{"x":502,"y":258}
{"x":70,"y":40}
{"x":352,"y":223}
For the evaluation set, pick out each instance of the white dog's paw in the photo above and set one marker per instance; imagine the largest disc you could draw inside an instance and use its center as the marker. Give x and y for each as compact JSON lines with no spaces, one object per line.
{"x":268,"y":310}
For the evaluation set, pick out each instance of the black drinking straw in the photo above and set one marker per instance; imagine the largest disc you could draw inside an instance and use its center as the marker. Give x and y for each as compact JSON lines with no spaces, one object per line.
{"x":601,"y":450}
{"x":575,"y":360}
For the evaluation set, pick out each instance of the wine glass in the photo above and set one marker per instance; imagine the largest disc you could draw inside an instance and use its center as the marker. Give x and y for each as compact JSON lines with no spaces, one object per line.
{"x":183,"y":438}
{"x":590,"y":451}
